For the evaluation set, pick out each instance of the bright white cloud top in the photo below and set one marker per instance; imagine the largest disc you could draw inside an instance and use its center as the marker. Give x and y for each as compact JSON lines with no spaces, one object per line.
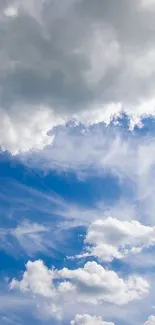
{"x":111,"y":238}
{"x":94,"y":320}
{"x":89,"y":320}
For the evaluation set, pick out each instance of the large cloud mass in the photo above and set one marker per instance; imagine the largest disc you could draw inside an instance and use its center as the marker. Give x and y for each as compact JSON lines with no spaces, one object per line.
{"x":91,"y":284}
{"x":74,"y":59}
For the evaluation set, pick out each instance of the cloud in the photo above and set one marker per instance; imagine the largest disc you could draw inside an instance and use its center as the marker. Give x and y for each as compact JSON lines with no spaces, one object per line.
{"x":28,"y":237}
{"x":91,"y":284}
{"x":111,"y":238}
{"x":150,"y":321}
{"x":37,"y":279}
{"x":31,"y":237}
{"x":94,"y":284}
{"x":25,"y":130}
{"x":11,"y":12}
{"x":149,"y":5}
{"x":100,"y":151}
{"x":128,"y":157}
{"x":89,"y":320}
{"x":79,"y":60}
{"x":105,"y":149}
{"x":100,"y":148}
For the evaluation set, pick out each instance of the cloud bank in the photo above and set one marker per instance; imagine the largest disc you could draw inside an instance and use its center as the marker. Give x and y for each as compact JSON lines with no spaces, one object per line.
{"x":75,"y":60}
{"x":92,"y":284}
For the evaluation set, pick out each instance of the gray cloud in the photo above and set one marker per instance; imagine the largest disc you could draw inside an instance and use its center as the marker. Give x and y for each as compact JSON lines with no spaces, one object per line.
{"x":47,"y":52}
{"x":74,"y":57}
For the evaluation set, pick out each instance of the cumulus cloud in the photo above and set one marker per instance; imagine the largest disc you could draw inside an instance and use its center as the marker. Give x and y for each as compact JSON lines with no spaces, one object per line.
{"x":37,"y":279}
{"x":75,"y":60}
{"x":24,"y":130}
{"x":89,"y":320}
{"x":91,"y":284}
{"x":111,"y":238}
{"x":150,"y":321}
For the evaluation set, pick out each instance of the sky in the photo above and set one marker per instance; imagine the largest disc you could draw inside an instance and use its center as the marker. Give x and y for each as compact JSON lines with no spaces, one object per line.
{"x":77,"y":162}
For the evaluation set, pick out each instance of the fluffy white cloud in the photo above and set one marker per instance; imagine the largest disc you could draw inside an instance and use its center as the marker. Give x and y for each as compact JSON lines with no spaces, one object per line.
{"x":111,"y":238}
{"x":37,"y":279}
{"x":89,"y":320}
{"x":150,"y":321}
{"x":91,"y":284}
{"x":94,"y":283}
{"x":25,"y":129}
{"x":79,"y":59}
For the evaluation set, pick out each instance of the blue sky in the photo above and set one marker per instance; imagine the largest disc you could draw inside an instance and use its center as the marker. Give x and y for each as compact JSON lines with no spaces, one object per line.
{"x":77,"y":162}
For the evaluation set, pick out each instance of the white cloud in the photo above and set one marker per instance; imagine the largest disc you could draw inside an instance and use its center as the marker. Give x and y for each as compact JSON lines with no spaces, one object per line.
{"x":37,"y":279}
{"x":103,"y":148}
{"x":11,"y":12}
{"x":89,"y":320}
{"x":78,"y":60}
{"x":111,"y":238}
{"x":31,"y":236}
{"x":28,"y":237}
{"x":148,"y":4}
{"x":105,"y":151}
{"x":94,"y":284}
{"x":91,"y":284}
{"x":27,"y":228}
{"x":23,"y":130}
{"x":150,"y":321}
